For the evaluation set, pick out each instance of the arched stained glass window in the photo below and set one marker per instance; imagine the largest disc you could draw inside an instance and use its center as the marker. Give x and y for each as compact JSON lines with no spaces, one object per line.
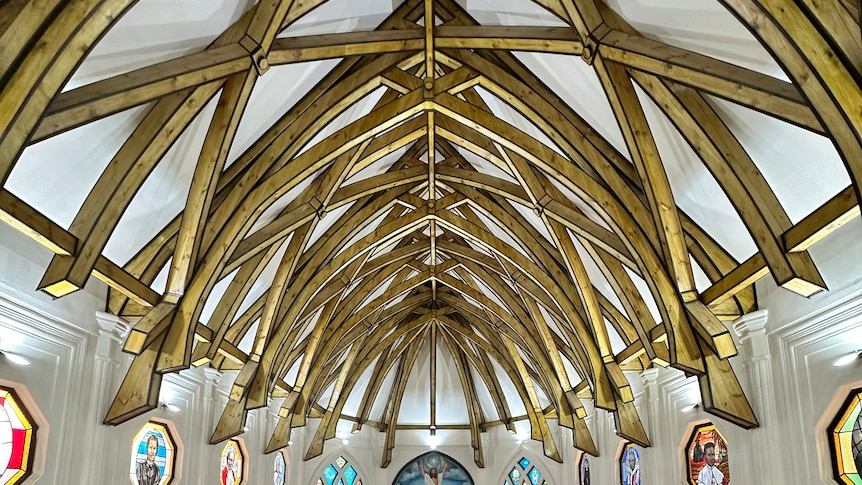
{"x":525,"y":472}
{"x":17,"y":438}
{"x":340,"y":472}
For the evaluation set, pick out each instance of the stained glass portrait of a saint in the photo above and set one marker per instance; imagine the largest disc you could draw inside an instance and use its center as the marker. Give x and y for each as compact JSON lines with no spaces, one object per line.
{"x":278,"y":469}
{"x":707,"y":456}
{"x":584,"y":470}
{"x":153,"y":455}
{"x":630,"y":465}
{"x":232,"y":460}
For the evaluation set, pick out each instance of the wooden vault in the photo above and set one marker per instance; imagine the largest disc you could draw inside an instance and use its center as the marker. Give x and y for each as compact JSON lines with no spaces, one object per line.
{"x":433,"y":248}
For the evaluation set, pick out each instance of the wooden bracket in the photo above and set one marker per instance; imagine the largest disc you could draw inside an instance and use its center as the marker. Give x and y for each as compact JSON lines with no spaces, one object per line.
{"x":258,"y":56}
{"x":591,"y":43}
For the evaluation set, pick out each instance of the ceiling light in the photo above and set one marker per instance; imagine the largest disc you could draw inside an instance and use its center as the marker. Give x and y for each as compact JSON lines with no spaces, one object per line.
{"x":690,"y":408}
{"x":246,"y":429}
{"x":344,"y":442}
{"x":289,"y":443}
{"x":846,"y":359}
{"x":433,"y":440}
{"x":170,"y":407}
{"x":15,"y":358}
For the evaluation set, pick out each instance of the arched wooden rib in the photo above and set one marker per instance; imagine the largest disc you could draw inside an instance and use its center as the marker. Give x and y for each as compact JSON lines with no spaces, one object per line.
{"x":740,"y":179}
{"x":99,"y":99}
{"x":294,"y":306}
{"x":632,"y":120}
{"x":510,"y":361}
{"x":476,"y":234}
{"x":325,"y":101}
{"x":334,"y":332}
{"x":549,"y":446}
{"x":393,"y":348}
{"x":474,"y":408}
{"x":841,"y":21}
{"x":66,"y":36}
{"x":552,"y":266}
{"x":225,"y":56}
{"x":393,"y":404}
{"x":178,"y":352}
{"x":518,"y":329}
{"x":716,"y":262}
{"x":265,"y":194}
{"x":316,"y":100}
{"x":823,"y":75}
{"x":300,"y":210}
{"x":721,"y":393}
{"x":748,"y":88}
{"x":647,"y":160}
{"x":383,"y":235}
{"x":139,"y":391}
{"x":683,"y":351}
{"x":21,"y":23}
{"x":219,"y":139}
{"x":118,"y":184}
{"x":324,"y":192}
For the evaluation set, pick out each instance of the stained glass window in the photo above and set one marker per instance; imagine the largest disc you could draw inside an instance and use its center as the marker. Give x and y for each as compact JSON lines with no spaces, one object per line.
{"x":153,"y":455}
{"x":329,"y":473}
{"x":584,"y":469}
{"x":340,"y":472}
{"x":524,"y":472}
{"x":535,"y":476}
{"x":515,"y":475}
{"x":630,"y":465}
{"x":707,"y":456}
{"x":279,"y":468}
{"x":350,"y":475}
{"x":845,"y":440}
{"x":232,"y":463}
{"x":17,"y":438}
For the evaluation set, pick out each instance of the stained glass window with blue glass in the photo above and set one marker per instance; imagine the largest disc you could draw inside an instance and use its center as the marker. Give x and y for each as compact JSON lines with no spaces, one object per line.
{"x":524,"y":472}
{"x":535,"y":475}
{"x":350,"y":475}
{"x":329,"y":473}
{"x":515,"y":475}
{"x":336,"y":474}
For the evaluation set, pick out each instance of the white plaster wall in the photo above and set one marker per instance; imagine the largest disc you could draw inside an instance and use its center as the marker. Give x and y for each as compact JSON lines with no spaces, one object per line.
{"x":77,"y":367}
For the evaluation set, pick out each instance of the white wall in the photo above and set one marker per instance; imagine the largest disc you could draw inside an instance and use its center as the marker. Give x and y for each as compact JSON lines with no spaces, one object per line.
{"x":77,"y":367}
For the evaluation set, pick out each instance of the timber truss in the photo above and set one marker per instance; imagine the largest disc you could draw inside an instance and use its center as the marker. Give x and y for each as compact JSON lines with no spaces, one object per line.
{"x":427,"y":247}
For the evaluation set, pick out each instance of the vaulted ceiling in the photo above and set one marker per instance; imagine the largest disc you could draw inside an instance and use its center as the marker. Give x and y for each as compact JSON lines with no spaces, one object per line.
{"x":525,"y":198}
